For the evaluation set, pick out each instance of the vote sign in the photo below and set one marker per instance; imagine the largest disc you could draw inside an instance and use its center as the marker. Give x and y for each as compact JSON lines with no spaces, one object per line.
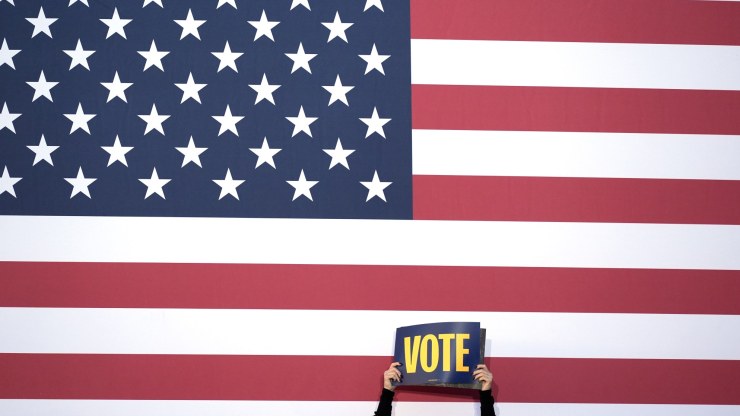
{"x":440,"y":354}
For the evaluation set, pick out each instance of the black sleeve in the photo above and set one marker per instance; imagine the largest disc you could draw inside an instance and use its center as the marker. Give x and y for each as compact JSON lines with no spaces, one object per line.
{"x":386,"y":403}
{"x":486,"y":403}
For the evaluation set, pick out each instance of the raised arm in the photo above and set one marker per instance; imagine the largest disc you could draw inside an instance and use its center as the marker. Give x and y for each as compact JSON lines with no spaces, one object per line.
{"x":484,"y":376}
{"x":386,"y":397}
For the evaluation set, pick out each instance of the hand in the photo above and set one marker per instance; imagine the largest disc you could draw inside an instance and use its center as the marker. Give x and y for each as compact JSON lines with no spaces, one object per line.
{"x":391,"y":374}
{"x":483,"y":376}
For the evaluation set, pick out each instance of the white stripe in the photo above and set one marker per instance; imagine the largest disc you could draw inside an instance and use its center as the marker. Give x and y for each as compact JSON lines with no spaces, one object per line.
{"x":361,"y":333}
{"x":575,"y":64}
{"x":337,"y":408}
{"x":372,"y":242}
{"x":580,"y":155}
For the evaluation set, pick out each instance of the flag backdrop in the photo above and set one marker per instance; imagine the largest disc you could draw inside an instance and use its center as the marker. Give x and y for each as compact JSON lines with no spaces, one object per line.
{"x":226,"y":207}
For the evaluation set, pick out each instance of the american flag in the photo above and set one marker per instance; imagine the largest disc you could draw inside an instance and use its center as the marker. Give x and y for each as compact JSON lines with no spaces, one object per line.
{"x":226,"y":207}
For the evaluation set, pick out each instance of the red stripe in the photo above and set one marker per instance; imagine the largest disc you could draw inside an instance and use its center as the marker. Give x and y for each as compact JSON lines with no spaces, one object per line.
{"x":135,"y":285}
{"x":620,"y":21}
{"x":576,"y":199}
{"x":193,"y":377}
{"x":575,"y":109}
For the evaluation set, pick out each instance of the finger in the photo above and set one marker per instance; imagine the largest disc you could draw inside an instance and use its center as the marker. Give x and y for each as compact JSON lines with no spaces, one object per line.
{"x":396,"y":372}
{"x":396,"y":364}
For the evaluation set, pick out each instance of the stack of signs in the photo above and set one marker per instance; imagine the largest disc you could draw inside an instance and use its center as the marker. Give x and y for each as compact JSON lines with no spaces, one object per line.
{"x":440,"y":354}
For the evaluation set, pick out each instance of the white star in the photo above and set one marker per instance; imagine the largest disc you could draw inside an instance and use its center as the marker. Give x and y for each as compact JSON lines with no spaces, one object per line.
{"x":228,"y":185}
{"x":338,"y":155}
{"x":158,"y":2}
{"x":80,"y":184}
{"x":7,"y":118}
{"x":228,"y":122}
{"x":79,"y":119}
{"x":190,"y":25}
{"x":265,"y":154}
{"x":41,"y":23}
{"x":337,"y":28}
{"x":154,"y":120}
{"x":300,"y":59}
{"x":301,"y":123}
{"x":190,"y":89}
{"x":42,"y":87}
{"x":153,"y":57}
{"x":231,"y":3}
{"x":6,"y":55}
{"x":297,"y":3}
{"x":376,"y":3}
{"x":154,"y":184}
{"x":116,"y":88}
{"x":79,"y":56}
{"x":302,"y":187}
{"x":374,"y":61}
{"x":375,"y":187}
{"x":227,"y":58}
{"x":338,"y":91}
{"x":191,"y":153}
{"x":264,"y":27}
{"x":117,"y":152}
{"x":264,"y":90}
{"x":43,"y":152}
{"x":12,"y":2}
{"x":115,"y":25}
{"x":375,"y":124}
{"x":71,"y":2}
{"x":7,"y":182}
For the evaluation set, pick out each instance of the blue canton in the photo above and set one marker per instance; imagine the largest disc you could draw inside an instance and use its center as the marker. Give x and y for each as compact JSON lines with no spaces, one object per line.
{"x":236,"y":108}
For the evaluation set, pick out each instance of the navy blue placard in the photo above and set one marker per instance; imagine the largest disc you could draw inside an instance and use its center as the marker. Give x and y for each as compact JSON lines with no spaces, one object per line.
{"x":440,"y":354}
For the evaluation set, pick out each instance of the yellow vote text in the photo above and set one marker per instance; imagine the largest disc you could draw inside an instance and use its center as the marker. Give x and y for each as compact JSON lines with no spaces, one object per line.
{"x":425,"y":352}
